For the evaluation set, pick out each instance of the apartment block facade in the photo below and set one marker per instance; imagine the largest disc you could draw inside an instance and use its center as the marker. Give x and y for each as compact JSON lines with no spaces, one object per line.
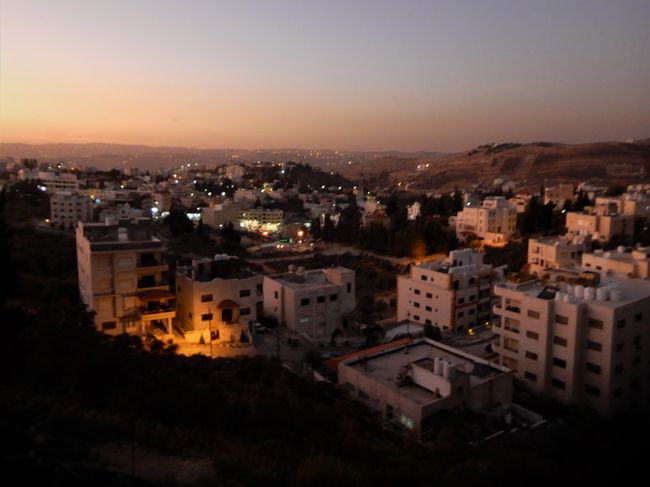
{"x":453,"y":294}
{"x":494,"y":221}
{"x":577,"y":339}
{"x":67,"y":208}
{"x":218,"y":300}
{"x":555,"y":252}
{"x":312,"y":302}
{"x":122,"y":277}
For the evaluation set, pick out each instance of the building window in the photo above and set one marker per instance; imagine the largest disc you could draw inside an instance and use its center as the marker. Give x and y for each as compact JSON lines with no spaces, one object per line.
{"x":562,"y":320}
{"x":206,"y":317}
{"x":424,"y":278}
{"x":618,"y":370}
{"x":304,"y":302}
{"x":559,"y":384}
{"x":620,"y":346}
{"x":531,"y":355}
{"x":472,"y":280}
{"x":455,"y":285}
{"x":596,"y":369}
{"x":244,"y":293}
{"x":427,"y":322}
{"x":461,"y":314}
{"x":559,"y":341}
{"x":320,"y":299}
{"x":461,"y":300}
{"x":472,"y":297}
{"x":533,"y":314}
{"x":245,"y":311}
{"x":109,"y":325}
{"x":349,"y":287}
{"x":428,"y":308}
{"x":594,"y":323}
{"x":275,"y":294}
{"x":558,"y":362}
{"x":417,"y":305}
{"x":258,"y":289}
{"x":636,"y":361}
{"x":591,"y":345}
{"x":530,"y":376}
{"x":532,"y":335}
{"x":205,"y":298}
{"x":334,"y":297}
{"x":592,"y":390}
{"x":416,"y":317}
{"x":620,"y":324}
{"x":429,"y":295}
{"x":416,"y":291}
{"x":618,"y":392}
{"x":638,"y":317}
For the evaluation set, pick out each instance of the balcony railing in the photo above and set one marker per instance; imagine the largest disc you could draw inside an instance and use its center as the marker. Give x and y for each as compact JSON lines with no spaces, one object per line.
{"x":145,"y":310}
{"x":150,"y":263}
{"x":514,"y":309}
{"x":143,"y":284}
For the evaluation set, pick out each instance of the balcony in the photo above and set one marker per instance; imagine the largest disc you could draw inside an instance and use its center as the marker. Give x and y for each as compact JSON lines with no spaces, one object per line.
{"x":513,"y":309}
{"x":157,"y":309}
{"x":152,"y":283}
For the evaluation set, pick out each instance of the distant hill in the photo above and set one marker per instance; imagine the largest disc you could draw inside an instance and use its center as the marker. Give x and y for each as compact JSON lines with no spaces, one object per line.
{"x":107,"y":156}
{"x":530,"y":164}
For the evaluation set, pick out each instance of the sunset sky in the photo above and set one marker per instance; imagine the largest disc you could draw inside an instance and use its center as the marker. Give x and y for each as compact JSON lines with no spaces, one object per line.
{"x":409,"y":75}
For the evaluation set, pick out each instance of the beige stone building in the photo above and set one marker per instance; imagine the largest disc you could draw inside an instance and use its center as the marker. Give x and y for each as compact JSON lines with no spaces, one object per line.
{"x":67,"y":208}
{"x":122,"y":277}
{"x":559,"y":194}
{"x":494,"y":221}
{"x":601,"y":223}
{"x":311,"y":302}
{"x":410,"y":382}
{"x":453,"y":294}
{"x":622,"y":262}
{"x":578,"y":339}
{"x":218,"y":300}
{"x":555,"y":252}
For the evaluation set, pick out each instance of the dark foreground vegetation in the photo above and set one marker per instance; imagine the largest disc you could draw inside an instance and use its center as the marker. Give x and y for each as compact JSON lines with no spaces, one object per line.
{"x":67,"y":391}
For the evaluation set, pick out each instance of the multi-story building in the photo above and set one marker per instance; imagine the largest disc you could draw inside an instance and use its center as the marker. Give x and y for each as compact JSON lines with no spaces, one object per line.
{"x":576,"y":338}
{"x":261,"y":220}
{"x":555,"y":252}
{"x":68,"y":208}
{"x":410,"y":381}
{"x":59,"y":181}
{"x":559,"y":194}
{"x":312,"y":302}
{"x":122,"y":277}
{"x":603,"y":223}
{"x":622,"y":262}
{"x":453,"y":294}
{"x":494,"y":221}
{"x":218,"y":300}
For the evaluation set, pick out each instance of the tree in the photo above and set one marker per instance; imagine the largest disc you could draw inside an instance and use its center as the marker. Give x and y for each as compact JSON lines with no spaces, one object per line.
{"x":178,"y":222}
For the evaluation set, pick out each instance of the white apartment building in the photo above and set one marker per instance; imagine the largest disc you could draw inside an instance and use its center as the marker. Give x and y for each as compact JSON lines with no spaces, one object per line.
{"x":59,"y":181}
{"x":409,"y":382}
{"x":453,"y":294}
{"x":261,"y":220}
{"x":622,"y":262}
{"x":311,"y":302}
{"x":67,"y":208}
{"x":554,"y":252}
{"x":602,"y":223}
{"x":218,"y":300}
{"x":235,"y":172}
{"x":494,"y":221}
{"x":122,"y":277}
{"x":577,"y":339}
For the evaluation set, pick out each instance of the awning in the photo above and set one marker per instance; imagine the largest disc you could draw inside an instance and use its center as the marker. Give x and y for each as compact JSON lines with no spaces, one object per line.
{"x":133,"y":314}
{"x":227,"y":303}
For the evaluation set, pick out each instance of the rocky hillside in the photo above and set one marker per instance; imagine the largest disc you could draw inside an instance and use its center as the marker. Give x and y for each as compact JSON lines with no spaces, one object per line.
{"x":529,"y":164}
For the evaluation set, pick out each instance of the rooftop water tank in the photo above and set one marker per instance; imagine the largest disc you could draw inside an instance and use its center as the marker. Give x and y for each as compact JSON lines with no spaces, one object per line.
{"x":620,"y":249}
{"x":616,"y":294}
{"x":590,"y":293}
{"x":579,"y":291}
{"x":437,"y":366}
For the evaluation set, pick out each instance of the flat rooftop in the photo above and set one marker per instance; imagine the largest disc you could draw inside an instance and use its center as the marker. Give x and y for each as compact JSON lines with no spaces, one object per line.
{"x":384,"y":366}
{"x":312,"y":278}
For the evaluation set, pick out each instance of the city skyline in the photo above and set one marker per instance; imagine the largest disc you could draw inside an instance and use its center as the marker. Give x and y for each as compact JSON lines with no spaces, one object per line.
{"x":437,"y":76}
